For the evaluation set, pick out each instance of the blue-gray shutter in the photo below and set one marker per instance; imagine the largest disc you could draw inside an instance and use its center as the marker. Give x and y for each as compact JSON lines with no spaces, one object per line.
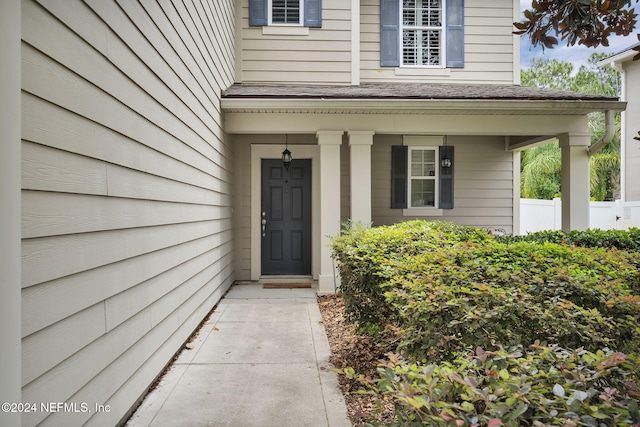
{"x":446,"y":179}
{"x":313,"y":13}
{"x":455,"y":33}
{"x":399,"y":176}
{"x":258,"y":13}
{"x":390,"y":33}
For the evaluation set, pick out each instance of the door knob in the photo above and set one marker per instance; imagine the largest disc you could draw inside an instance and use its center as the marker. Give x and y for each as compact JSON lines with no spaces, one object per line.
{"x":264,"y":224}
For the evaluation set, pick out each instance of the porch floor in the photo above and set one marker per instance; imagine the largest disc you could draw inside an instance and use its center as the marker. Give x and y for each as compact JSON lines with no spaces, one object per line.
{"x":261,"y":359}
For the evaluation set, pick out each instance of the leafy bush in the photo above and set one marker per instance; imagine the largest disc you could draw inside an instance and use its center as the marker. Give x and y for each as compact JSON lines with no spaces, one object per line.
{"x":496,"y":294}
{"x":448,"y":289}
{"x":365,"y":258}
{"x":595,"y":238}
{"x":547,"y":386}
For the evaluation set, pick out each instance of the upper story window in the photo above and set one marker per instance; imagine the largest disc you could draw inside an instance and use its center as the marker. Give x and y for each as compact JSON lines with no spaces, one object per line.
{"x":285,"y":12}
{"x":422,"y":32}
{"x":303,"y":13}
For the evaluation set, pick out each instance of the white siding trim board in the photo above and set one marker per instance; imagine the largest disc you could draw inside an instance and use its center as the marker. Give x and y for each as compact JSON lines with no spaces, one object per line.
{"x":10,"y":124}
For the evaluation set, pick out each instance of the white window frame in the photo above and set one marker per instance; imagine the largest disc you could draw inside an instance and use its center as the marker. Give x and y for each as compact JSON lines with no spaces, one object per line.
{"x":423,"y":142}
{"x":435,"y":178}
{"x":441,"y":29}
{"x":300,"y":22}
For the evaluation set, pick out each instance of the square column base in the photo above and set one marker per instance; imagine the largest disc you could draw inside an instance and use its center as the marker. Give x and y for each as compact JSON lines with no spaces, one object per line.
{"x":327,"y":285}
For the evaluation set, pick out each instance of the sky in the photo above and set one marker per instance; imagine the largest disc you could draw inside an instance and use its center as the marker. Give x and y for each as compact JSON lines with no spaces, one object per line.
{"x":577,"y":55}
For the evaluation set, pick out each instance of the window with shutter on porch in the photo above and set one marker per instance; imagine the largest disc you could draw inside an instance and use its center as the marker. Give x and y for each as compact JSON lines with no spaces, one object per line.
{"x":422,"y":33}
{"x":418,"y":179}
{"x":423,"y":180}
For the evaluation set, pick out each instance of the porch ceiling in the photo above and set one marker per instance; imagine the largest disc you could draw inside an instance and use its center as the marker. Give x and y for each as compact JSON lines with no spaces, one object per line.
{"x":394,"y":98}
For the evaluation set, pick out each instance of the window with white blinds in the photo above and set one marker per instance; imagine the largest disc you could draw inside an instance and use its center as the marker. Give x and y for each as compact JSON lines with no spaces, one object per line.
{"x":422,"y":32}
{"x":286,"y":12}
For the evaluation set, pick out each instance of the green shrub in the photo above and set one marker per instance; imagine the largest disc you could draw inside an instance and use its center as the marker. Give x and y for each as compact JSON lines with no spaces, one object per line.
{"x":594,"y":238}
{"x":450,"y":288}
{"x":496,"y":294}
{"x":365,"y":258}
{"x":548,"y":386}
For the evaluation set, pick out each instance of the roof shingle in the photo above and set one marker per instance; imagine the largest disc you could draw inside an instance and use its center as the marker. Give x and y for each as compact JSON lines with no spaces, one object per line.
{"x":407,"y":91}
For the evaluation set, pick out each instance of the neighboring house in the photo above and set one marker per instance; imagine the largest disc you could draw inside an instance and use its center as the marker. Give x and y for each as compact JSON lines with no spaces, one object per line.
{"x":629,"y":147}
{"x":150,"y":178}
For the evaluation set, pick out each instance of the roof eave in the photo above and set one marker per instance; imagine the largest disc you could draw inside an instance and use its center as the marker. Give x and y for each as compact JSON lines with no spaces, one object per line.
{"x":424,"y":106}
{"x":624,"y":56}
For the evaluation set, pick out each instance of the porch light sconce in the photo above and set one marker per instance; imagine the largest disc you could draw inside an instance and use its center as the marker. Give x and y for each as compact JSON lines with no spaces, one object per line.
{"x":445,"y":162}
{"x":286,"y":154}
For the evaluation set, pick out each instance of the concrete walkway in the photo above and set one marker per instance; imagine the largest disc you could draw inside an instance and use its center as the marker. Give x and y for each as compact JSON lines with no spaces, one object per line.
{"x":260,"y":360}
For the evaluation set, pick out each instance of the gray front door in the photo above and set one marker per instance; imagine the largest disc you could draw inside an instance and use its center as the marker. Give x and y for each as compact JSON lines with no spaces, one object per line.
{"x":286,"y":217}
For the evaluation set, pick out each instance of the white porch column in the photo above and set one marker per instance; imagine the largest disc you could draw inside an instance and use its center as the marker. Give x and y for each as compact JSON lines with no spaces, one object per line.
{"x":10,"y":321}
{"x":329,"y":142}
{"x":575,"y":180}
{"x":360,"y":143}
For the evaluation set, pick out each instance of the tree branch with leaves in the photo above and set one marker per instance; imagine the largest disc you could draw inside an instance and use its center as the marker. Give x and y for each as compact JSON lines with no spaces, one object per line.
{"x":587,"y":22}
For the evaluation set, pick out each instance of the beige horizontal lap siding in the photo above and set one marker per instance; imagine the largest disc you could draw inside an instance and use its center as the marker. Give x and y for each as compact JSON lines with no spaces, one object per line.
{"x":489,"y":46}
{"x":127,"y":197}
{"x":323,"y":56}
{"x":483,"y":183}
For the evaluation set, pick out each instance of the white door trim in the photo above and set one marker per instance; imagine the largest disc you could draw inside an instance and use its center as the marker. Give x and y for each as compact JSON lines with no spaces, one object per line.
{"x":264,"y":151}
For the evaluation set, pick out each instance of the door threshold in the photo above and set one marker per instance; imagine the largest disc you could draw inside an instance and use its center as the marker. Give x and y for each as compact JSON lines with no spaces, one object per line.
{"x":288,"y":285}
{"x":286,"y":279}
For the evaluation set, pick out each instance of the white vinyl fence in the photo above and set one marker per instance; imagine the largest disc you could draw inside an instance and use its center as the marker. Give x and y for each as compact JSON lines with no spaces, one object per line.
{"x":537,"y":215}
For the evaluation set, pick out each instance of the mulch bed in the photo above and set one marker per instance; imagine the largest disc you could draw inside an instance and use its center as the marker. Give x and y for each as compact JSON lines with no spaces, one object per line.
{"x":359,"y":352}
